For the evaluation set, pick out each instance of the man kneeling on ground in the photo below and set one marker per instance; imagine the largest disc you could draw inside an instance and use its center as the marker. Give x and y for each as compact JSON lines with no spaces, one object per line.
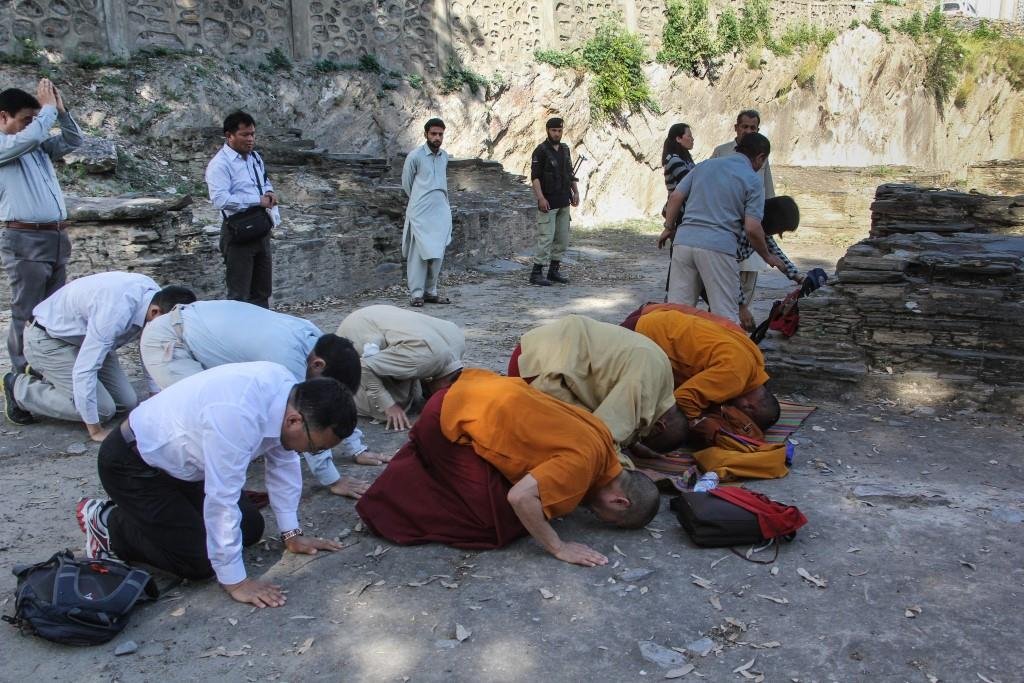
{"x":491,"y":459}
{"x":174,"y":471}
{"x":206,"y":334}
{"x":404,"y":356}
{"x":622,"y":377}
{"x":714,"y":362}
{"x":71,"y":344}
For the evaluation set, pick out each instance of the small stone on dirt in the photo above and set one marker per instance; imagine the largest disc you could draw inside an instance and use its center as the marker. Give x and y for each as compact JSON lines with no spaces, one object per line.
{"x":661,"y":656}
{"x":634,"y":575}
{"x":702,"y":647}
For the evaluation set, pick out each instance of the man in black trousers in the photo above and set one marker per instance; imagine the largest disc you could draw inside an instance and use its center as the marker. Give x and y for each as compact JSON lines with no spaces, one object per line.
{"x":174,"y":471}
{"x":240,"y":187}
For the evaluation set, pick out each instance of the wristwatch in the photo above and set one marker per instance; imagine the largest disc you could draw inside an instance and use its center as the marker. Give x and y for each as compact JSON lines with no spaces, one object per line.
{"x":292,"y":533}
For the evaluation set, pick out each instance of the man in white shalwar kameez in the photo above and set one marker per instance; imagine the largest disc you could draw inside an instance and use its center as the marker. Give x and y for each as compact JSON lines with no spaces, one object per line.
{"x":428,"y":217}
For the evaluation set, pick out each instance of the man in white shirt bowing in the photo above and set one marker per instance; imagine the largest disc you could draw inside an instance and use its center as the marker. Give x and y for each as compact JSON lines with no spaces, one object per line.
{"x":175,"y":469}
{"x":72,"y":341}
{"x":206,"y":334}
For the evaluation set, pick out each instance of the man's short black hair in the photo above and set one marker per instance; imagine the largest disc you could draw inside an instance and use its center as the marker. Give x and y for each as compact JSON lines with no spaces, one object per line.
{"x":433,"y":123}
{"x":781,"y":214}
{"x":326,"y":403}
{"x":172,"y":295}
{"x":14,"y":100}
{"x":753,"y":144}
{"x":749,"y":114}
{"x":236,"y":120}
{"x":341,"y":360}
{"x":554,"y":122}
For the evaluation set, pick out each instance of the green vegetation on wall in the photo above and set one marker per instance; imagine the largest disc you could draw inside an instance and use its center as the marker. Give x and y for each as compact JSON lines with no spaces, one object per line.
{"x":616,"y":57}
{"x":955,"y":58}
{"x":691,"y":42}
{"x":688,"y":41}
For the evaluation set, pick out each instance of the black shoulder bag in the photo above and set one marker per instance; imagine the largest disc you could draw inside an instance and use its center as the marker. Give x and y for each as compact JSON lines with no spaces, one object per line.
{"x":252,"y":224}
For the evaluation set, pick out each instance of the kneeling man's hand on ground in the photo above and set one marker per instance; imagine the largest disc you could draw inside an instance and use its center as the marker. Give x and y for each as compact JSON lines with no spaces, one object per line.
{"x":309,"y":545}
{"x":397,"y":419}
{"x":256,"y":592}
{"x":349,"y":487}
{"x":371,"y":458}
{"x":97,"y":433}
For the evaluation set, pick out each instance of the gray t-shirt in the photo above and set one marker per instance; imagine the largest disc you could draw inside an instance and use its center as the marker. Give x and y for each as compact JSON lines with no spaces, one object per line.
{"x":720,"y":192}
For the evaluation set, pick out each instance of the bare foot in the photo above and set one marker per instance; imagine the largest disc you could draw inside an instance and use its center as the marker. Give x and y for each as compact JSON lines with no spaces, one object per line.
{"x":371,"y":458}
{"x":349,"y":488}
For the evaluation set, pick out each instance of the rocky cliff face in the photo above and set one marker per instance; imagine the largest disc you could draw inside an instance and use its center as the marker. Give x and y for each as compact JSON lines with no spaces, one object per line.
{"x":865,"y":107}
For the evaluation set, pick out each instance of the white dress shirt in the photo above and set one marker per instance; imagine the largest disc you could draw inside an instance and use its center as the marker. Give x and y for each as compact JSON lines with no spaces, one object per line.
{"x":220,"y":332}
{"x":209,"y":427}
{"x":236,"y":183}
{"x":97,"y":313}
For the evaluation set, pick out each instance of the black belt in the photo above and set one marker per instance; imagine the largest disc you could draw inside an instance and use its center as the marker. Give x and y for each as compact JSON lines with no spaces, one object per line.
{"x":25,"y":225}
{"x":35,"y":324}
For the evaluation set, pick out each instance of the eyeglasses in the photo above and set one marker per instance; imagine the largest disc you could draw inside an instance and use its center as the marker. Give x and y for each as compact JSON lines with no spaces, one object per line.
{"x":309,"y":438}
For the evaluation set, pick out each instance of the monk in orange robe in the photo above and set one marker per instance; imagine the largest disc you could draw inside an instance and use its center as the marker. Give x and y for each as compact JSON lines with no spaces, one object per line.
{"x":714,"y":362}
{"x":491,"y":459}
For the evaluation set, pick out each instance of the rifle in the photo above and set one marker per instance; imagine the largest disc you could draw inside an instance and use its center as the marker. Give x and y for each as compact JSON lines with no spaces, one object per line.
{"x":576,"y":166}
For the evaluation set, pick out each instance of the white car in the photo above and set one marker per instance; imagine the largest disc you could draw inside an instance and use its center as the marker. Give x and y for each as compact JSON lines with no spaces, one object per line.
{"x":960,"y":8}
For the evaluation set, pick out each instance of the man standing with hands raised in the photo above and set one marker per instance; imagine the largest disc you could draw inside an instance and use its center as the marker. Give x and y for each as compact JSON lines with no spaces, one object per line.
{"x":34,"y":245}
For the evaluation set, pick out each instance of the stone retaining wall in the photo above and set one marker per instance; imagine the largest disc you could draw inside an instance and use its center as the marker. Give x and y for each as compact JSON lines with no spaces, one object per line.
{"x":408,"y":35}
{"x":918,"y":316}
{"x":341,"y":231}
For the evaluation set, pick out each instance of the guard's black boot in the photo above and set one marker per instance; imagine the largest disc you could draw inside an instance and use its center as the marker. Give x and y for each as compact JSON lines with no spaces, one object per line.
{"x":537,"y":276}
{"x":553,"y":273}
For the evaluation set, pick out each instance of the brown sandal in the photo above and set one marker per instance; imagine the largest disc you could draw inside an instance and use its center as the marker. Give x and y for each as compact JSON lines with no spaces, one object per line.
{"x":435,"y":299}
{"x":417,"y":302}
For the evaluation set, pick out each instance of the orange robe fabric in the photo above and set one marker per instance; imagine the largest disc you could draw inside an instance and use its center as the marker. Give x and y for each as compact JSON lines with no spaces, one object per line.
{"x":711,"y":363}
{"x":521,"y":431}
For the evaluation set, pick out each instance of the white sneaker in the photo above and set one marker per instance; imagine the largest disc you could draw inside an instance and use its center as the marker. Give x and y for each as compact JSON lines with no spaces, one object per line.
{"x":90,"y":520}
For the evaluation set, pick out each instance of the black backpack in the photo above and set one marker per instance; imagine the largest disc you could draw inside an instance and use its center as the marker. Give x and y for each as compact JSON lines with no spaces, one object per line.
{"x":77,"y":602}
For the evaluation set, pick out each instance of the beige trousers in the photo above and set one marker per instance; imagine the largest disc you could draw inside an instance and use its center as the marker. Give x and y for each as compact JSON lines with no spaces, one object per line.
{"x":718,"y":273}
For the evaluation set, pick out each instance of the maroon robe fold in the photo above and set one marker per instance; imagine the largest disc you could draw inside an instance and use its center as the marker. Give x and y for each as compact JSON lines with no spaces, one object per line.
{"x":435,"y":491}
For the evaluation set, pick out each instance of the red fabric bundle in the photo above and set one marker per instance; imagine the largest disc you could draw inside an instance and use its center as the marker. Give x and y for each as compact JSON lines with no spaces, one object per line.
{"x":775,"y":519}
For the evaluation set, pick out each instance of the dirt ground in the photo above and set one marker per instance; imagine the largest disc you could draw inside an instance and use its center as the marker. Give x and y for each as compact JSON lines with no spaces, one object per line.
{"x":916,"y":525}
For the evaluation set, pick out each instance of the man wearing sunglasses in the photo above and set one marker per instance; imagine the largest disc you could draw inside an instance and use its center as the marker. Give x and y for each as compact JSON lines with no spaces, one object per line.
{"x":176,"y":467}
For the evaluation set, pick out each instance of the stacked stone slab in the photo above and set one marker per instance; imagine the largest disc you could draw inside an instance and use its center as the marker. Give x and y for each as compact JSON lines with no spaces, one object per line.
{"x":341,"y":231}
{"x":921,"y":312}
